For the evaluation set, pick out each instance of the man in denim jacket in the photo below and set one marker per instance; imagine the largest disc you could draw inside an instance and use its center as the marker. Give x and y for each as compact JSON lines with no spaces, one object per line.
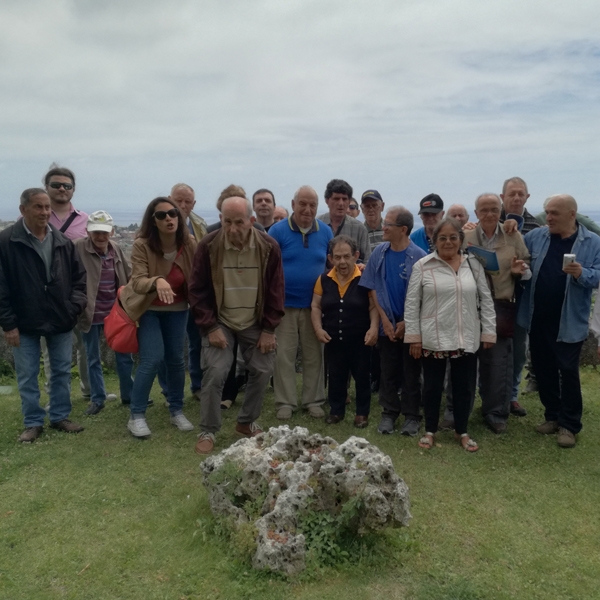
{"x":555,"y":309}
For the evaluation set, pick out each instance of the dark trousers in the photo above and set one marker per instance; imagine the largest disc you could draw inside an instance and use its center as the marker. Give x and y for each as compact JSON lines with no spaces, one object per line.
{"x":346,"y":357}
{"x":375,"y":368}
{"x":463,"y":374}
{"x":398,"y":370}
{"x":556,"y":368}
{"x":496,"y":380}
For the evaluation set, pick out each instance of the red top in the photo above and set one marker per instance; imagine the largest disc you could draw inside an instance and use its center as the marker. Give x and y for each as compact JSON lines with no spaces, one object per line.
{"x":176,"y":279}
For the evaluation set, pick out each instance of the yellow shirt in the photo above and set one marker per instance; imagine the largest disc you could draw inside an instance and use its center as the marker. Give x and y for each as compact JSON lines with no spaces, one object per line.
{"x":318,"y":289}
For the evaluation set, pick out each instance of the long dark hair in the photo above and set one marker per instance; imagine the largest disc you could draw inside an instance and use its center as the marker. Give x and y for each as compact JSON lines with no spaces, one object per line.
{"x":149,"y":231}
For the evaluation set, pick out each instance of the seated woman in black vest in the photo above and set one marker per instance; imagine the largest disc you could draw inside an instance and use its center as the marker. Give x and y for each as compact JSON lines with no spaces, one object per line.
{"x":347,"y":322}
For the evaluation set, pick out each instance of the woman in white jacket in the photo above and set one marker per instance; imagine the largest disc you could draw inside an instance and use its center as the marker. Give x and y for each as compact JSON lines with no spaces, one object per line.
{"x":449,"y":311}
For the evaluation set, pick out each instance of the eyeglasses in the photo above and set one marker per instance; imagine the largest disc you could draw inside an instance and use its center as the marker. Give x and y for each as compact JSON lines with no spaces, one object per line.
{"x":56,"y":185}
{"x":353,"y":206}
{"x":161,"y":215}
{"x":386,"y":224}
{"x":452,"y":238}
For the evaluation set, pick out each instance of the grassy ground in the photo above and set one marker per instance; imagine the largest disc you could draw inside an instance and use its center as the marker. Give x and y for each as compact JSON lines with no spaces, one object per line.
{"x":103,"y":515}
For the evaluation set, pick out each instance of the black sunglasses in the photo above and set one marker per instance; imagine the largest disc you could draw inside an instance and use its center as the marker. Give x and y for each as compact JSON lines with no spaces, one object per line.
{"x":353,"y":206}
{"x":162,"y":214}
{"x":56,"y":185}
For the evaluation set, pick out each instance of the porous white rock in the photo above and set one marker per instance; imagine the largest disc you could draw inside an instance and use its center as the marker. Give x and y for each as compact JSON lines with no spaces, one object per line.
{"x":281,"y":473}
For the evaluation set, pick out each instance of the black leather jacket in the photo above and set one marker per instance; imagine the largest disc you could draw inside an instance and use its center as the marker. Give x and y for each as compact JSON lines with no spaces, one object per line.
{"x":28,"y":301}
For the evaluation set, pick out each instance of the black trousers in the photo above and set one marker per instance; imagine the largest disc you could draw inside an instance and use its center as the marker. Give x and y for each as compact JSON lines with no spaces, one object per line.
{"x":556,"y":368}
{"x":398,"y":370}
{"x":343,"y":358}
{"x":463,"y":375}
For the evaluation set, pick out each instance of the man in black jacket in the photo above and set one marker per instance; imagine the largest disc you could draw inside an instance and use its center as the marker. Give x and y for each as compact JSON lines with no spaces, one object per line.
{"x":42,"y":292}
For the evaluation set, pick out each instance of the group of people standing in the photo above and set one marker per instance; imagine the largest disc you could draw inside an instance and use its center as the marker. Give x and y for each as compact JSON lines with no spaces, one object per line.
{"x":407,"y":312}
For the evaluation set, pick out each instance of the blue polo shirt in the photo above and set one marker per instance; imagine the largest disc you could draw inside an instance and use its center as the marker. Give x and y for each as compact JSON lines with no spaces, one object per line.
{"x":304,"y":256}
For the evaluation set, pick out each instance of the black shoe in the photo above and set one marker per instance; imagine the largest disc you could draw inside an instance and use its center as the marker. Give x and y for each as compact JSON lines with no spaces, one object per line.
{"x":517,"y":410}
{"x":333,"y":419}
{"x":94,"y":409}
{"x":497,"y":428}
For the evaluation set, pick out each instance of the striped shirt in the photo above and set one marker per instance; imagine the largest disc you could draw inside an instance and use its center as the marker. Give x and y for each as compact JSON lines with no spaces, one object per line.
{"x":107,"y":287}
{"x":240,"y":285}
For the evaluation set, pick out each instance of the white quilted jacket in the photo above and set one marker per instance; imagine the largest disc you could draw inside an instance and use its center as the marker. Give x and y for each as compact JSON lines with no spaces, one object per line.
{"x":441,"y":306}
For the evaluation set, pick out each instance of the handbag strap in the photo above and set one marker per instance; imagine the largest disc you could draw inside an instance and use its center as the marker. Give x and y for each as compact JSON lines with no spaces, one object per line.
{"x":68,"y":222}
{"x":475,"y":278}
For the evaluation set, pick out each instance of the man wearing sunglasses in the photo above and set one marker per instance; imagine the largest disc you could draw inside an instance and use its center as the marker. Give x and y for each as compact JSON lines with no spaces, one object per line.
{"x":72,"y":223}
{"x":60,"y":186}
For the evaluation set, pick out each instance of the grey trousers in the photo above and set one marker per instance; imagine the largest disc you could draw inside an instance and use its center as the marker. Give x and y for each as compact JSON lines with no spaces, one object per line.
{"x":216,"y":363}
{"x":496,"y":380}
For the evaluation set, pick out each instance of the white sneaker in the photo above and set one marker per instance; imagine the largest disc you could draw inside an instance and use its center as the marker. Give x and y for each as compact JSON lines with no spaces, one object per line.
{"x":138,"y":427}
{"x":110,"y":397}
{"x":181,"y":422}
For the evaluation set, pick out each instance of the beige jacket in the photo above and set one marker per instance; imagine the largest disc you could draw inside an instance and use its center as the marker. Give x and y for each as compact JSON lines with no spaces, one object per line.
{"x":505,"y":246}
{"x":147,"y":267}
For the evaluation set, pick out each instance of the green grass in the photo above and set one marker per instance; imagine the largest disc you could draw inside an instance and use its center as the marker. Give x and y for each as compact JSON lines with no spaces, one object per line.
{"x":103,"y":515}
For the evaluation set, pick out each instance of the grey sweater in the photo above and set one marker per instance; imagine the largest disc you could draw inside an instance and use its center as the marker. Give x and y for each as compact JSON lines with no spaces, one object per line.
{"x":354,"y":229}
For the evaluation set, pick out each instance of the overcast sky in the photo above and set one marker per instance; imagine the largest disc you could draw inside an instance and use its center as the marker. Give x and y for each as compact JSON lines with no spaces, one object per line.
{"x":408,"y":97}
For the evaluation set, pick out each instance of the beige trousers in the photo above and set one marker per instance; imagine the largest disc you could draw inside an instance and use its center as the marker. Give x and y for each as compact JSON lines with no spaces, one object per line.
{"x":296,"y":328}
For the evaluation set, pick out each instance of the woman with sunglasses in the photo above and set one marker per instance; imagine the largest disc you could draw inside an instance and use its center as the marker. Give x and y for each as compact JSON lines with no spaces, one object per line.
{"x":156,"y":297}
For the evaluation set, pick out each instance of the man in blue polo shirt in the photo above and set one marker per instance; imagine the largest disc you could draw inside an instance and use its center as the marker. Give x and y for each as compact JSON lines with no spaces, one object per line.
{"x":304,"y":241}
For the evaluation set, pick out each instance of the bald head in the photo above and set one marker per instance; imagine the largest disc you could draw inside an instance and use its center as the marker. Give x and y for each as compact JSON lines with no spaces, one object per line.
{"x":561,"y":214}
{"x":460,"y":213}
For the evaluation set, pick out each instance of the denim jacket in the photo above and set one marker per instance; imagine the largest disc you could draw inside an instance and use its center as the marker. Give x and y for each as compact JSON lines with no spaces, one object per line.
{"x":578,"y":292}
{"x":373,"y":277}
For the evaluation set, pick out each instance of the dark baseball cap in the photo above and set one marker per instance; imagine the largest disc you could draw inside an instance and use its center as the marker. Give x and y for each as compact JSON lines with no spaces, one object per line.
{"x":432,"y":203}
{"x":371,"y":195}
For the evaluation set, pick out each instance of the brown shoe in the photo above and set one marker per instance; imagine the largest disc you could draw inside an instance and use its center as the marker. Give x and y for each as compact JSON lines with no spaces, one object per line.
{"x":248,"y":429}
{"x":361,"y":422}
{"x":566,"y":438}
{"x":547,"y":428}
{"x":67,"y":426}
{"x":205,"y":443}
{"x":31,"y":434}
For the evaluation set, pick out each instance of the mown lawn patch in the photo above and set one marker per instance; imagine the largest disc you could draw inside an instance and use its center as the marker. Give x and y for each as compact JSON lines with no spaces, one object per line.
{"x":104,"y":515}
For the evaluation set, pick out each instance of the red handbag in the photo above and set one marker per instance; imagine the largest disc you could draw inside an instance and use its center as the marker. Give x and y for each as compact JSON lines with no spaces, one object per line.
{"x":120,"y":331}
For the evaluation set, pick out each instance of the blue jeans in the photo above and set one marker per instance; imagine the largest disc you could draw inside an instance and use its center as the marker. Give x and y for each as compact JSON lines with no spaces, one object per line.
{"x":27,"y":365}
{"x":194,"y":351}
{"x":160,"y":335}
{"x":91,"y":339}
